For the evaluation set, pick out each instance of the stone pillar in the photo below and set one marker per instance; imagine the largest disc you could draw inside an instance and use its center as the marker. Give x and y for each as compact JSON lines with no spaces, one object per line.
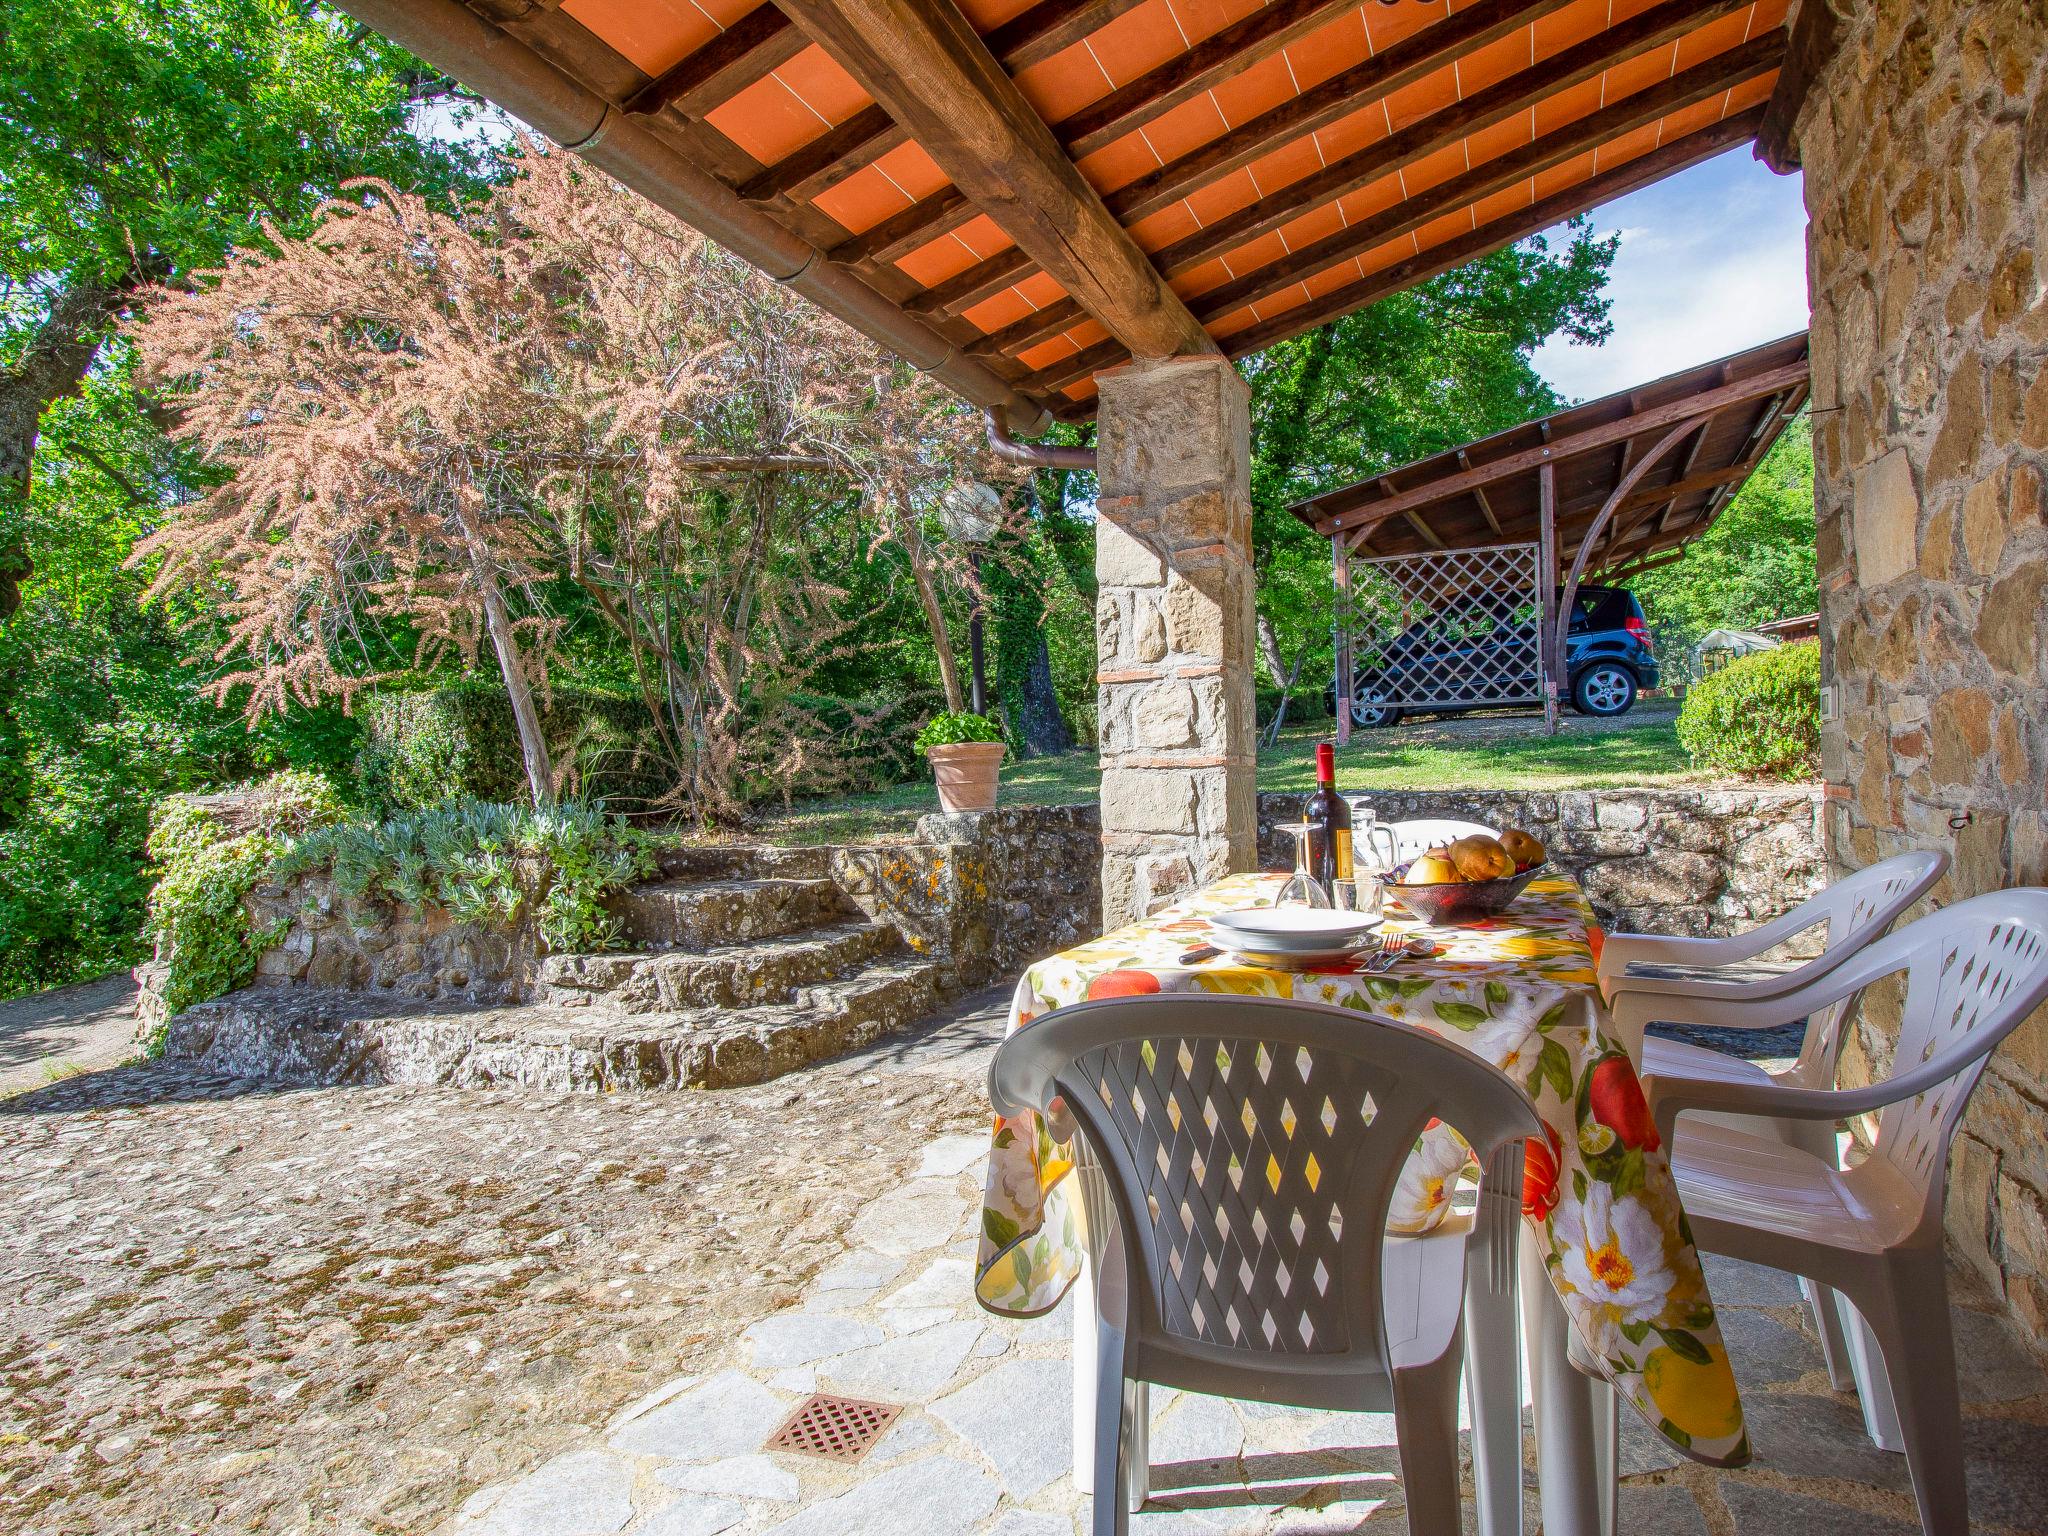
{"x":1174,"y":630}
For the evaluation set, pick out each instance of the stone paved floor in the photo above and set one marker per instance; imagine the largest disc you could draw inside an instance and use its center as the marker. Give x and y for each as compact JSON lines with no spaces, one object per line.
{"x":495,"y":1314}
{"x":48,"y":1036}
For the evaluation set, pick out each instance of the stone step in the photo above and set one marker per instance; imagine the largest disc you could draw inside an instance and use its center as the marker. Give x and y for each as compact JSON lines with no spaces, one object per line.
{"x":743,"y":861}
{"x":704,"y":914}
{"x":315,"y":1036}
{"x":729,"y":976}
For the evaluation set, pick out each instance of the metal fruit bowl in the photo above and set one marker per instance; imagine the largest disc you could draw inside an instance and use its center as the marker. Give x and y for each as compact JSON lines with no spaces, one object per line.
{"x":1457,"y":901}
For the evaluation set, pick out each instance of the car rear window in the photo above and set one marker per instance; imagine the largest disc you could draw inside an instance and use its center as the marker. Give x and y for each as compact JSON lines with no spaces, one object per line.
{"x":1603,"y":608}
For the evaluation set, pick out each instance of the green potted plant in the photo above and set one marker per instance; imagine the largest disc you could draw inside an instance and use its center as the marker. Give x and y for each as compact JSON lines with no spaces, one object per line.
{"x":966,"y":751}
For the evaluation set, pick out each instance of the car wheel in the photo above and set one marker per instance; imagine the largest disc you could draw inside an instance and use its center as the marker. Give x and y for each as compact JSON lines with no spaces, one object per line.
{"x":1370,"y":712}
{"x":1605,"y":688}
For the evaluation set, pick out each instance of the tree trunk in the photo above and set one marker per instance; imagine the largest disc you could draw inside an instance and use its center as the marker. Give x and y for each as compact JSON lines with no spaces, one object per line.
{"x":1269,"y":652}
{"x":935,"y":616}
{"x":1043,"y":728}
{"x":50,"y":367}
{"x":533,"y":746}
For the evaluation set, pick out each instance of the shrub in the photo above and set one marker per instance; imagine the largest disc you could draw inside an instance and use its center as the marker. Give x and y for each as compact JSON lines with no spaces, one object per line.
{"x":870,"y":748}
{"x":208,"y":852}
{"x":950,"y":728}
{"x":460,"y":743}
{"x":1306,"y":702}
{"x":485,"y":863}
{"x":1758,"y":715}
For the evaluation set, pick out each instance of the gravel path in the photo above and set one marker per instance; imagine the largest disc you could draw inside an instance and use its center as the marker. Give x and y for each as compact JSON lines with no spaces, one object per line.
{"x":50,"y":1035}
{"x":234,"y":1308}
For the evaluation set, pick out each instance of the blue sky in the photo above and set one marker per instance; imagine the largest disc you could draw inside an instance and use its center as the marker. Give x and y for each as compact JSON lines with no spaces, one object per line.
{"x":1712,"y":260}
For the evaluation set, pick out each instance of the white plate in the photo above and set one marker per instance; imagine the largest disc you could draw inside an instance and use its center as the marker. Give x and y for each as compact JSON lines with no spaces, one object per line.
{"x":1292,"y":959}
{"x":1293,"y":929}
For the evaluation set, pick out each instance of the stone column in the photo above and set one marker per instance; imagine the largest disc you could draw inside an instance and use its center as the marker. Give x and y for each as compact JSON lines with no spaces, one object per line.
{"x":1174,"y":631}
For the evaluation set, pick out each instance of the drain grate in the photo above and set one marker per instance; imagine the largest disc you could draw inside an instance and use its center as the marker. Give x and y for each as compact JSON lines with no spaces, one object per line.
{"x":837,"y":1428}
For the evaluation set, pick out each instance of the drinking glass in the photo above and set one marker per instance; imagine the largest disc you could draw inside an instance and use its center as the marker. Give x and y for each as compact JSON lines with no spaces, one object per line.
{"x":1302,"y":888}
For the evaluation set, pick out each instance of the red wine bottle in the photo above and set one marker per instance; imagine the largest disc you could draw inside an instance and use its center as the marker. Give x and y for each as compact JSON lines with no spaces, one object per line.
{"x":1329,"y":821}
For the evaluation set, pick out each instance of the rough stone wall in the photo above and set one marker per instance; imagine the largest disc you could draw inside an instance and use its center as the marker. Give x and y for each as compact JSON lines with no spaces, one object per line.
{"x":1174,"y":630}
{"x":384,"y":947}
{"x":1689,"y":861}
{"x":1925,"y":145}
{"x":985,"y":892}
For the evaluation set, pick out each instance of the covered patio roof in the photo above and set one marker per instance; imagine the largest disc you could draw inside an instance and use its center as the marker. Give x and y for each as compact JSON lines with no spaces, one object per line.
{"x":1490,"y":491}
{"x":1017,"y":194}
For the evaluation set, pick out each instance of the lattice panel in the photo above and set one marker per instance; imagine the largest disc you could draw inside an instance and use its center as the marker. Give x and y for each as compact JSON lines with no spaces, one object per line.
{"x":1450,"y":626}
{"x":1245,"y":1152}
{"x":1966,"y":990}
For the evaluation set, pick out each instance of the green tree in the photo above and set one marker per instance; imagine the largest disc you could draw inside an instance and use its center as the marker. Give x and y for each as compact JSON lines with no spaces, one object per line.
{"x":140,"y":141}
{"x":1416,"y":373}
{"x":1755,"y":564}
{"x":143,"y":139}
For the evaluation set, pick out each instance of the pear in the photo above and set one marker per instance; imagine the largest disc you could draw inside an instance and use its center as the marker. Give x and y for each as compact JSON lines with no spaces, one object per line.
{"x":1433,"y":868}
{"x":1524,"y":849}
{"x":1479,"y":857}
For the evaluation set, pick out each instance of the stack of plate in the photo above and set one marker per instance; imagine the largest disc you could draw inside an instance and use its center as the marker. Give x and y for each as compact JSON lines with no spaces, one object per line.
{"x":1286,"y":937}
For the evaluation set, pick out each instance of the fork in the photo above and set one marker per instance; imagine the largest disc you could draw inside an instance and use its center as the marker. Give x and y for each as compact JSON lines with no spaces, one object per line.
{"x":1392,"y":948}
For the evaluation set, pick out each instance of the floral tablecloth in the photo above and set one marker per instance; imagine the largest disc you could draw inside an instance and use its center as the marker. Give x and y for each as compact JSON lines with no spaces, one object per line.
{"x":1518,"y":990}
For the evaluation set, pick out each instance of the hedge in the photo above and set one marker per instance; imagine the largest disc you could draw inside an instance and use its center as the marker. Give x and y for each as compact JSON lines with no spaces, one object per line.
{"x":1758,"y":715}
{"x":427,"y":748}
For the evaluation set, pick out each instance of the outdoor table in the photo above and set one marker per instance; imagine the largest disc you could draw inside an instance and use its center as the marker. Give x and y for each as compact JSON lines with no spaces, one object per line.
{"x":1604,"y":1223}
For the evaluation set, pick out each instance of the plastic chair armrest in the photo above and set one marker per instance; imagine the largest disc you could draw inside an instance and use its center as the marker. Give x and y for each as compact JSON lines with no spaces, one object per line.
{"x":1672,"y":1097}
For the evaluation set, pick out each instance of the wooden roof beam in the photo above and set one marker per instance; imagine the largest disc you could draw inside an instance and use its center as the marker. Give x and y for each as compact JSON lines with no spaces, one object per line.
{"x":1518,"y":93}
{"x":1816,"y":33}
{"x":923,"y":63}
{"x":1028,"y":38}
{"x":1346,"y":511}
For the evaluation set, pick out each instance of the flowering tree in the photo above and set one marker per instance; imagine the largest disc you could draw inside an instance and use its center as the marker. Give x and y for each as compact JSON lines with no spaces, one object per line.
{"x":434,"y":412}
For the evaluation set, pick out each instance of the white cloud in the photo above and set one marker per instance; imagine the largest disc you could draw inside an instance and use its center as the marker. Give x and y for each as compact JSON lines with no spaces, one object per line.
{"x":1711,"y":261}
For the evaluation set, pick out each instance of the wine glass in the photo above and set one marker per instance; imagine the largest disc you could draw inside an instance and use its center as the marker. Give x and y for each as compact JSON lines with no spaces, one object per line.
{"x":1302,"y":888}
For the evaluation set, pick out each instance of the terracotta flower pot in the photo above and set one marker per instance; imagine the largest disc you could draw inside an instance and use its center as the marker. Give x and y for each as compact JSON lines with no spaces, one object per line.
{"x":966,"y":771}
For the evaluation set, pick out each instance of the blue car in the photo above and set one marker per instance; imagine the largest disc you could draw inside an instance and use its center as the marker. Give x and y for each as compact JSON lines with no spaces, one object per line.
{"x":1484,"y":657}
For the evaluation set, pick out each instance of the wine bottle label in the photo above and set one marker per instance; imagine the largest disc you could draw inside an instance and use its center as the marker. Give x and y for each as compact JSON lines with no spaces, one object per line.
{"x":1343,"y":840}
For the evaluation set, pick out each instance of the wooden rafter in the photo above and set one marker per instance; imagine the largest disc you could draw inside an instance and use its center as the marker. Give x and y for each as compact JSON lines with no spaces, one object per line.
{"x":1491,"y":236}
{"x":922,"y":62}
{"x":759,"y":42}
{"x":1480,"y":182}
{"x":1518,"y":93}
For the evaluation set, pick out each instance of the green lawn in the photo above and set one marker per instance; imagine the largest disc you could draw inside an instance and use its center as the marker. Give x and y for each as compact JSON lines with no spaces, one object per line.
{"x":1489,"y":754}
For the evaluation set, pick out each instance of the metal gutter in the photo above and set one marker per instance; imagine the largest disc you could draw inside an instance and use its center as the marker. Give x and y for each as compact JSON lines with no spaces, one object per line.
{"x":456,"y":40}
{"x":1036,"y":455}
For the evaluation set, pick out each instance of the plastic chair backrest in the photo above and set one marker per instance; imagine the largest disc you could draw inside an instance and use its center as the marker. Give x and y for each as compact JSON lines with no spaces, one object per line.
{"x":1981,"y":969}
{"x":1412,"y":839}
{"x":1857,"y":908}
{"x":1251,"y":1148}
{"x":1974,"y":972}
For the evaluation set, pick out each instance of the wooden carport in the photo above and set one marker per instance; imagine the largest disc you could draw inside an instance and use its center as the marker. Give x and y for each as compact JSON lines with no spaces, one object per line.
{"x":1615,"y":486}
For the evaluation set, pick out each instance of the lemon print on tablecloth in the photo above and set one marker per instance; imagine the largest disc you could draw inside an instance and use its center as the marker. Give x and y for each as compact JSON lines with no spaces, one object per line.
{"x":1698,"y":1398}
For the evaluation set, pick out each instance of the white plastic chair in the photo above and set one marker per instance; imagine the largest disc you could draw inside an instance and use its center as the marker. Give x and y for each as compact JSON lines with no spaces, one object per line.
{"x":1412,"y":839}
{"x":1873,"y":1232}
{"x":1249,"y":1149}
{"x":1715,"y":982}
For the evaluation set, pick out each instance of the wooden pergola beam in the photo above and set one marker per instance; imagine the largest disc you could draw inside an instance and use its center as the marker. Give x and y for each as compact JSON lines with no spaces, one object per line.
{"x":1519,"y":93}
{"x":922,"y":62}
{"x":1344,"y":511}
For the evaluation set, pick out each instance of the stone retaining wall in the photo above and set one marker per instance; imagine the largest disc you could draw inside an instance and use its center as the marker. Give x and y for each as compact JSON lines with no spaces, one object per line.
{"x":1689,"y":861}
{"x":985,"y":892}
